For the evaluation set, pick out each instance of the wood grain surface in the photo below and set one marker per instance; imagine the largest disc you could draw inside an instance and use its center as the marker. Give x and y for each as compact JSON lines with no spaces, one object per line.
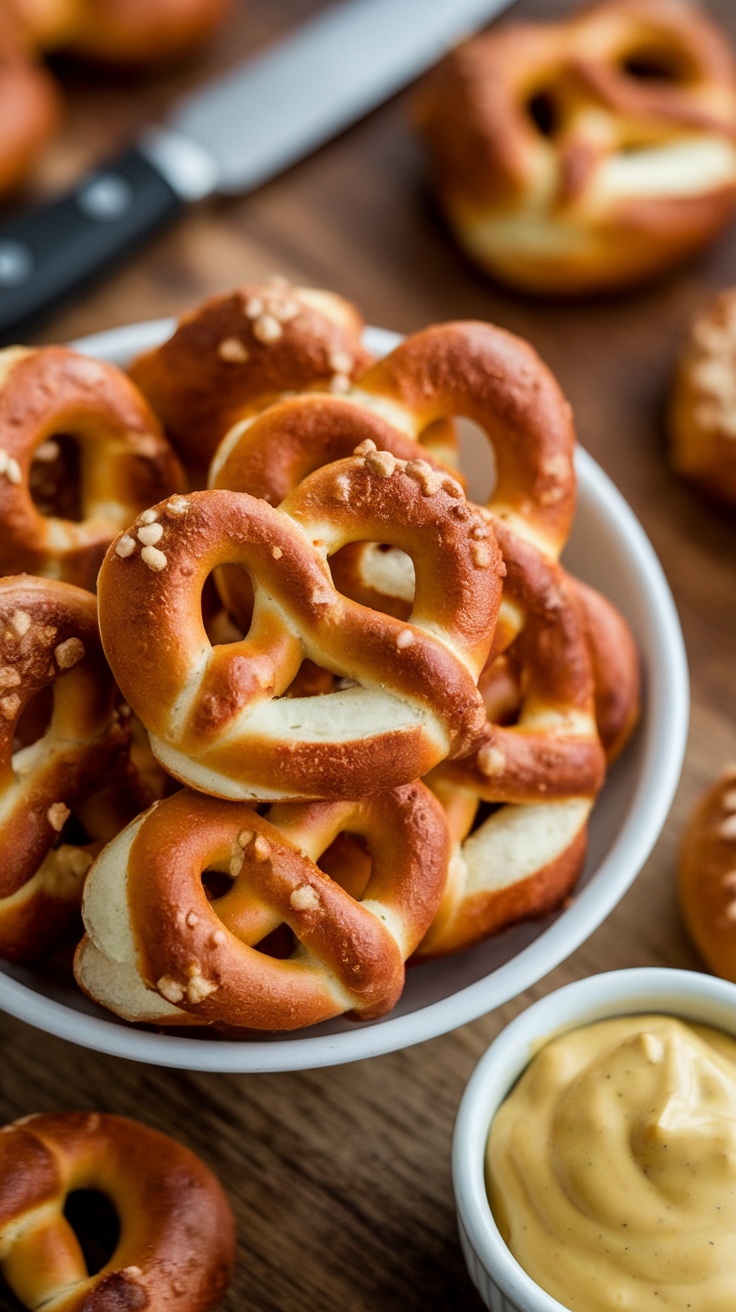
{"x":340,"y":1179}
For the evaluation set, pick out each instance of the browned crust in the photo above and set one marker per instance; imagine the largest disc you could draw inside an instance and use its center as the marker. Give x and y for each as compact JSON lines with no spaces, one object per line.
{"x":484,"y":146}
{"x":707,"y":875}
{"x":121,"y":32}
{"x":616,"y":668}
{"x":199,"y":395}
{"x":30,"y":108}
{"x":702,"y":414}
{"x":125,"y":458}
{"x":177,"y":1241}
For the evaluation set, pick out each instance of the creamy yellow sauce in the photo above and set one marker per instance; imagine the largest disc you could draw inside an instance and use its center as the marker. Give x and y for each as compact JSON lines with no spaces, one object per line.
{"x":611,"y":1167}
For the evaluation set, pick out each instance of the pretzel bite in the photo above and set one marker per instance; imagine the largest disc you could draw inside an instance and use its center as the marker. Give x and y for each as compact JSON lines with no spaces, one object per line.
{"x":53,"y":403}
{"x":540,"y":773}
{"x":707,"y":875}
{"x":60,"y":736}
{"x":177,"y":1233}
{"x":589,"y":154}
{"x":217,"y":718}
{"x":134,"y":33}
{"x":702,"y":417}
{"x":235,"y":354}
{"x":30,"y":107}
{"x":158,"y":950}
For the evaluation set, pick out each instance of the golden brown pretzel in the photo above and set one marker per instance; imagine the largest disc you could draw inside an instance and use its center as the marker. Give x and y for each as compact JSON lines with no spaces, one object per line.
{"x":702,"y":417}
{"x":707,"y":875}
{"x":587,"y":154}
{"x":545,"y":769}
{"x":30,"y":107}
{"x":125,"y":462}
{"x":468,"y":369}
{"x":158,"y":950}
{"x":216,"y":716}
{"x":136,"y":32}
{"x":177,"y":1234}
{"x":49,"y":641}
{"x":236,"y":353}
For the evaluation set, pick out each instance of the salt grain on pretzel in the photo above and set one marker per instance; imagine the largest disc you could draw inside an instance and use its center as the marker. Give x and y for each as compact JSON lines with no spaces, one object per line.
{"x":217,"y":717}
{"x":126,"y":463}
{"x":157,"y":949}
{"x":49,"y":645}
{"x":176,"y":1247}
{"x":586,"y":154}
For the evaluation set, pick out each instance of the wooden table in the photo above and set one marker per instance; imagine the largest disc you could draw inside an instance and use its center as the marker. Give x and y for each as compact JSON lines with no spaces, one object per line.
{"x":340,"y":1179}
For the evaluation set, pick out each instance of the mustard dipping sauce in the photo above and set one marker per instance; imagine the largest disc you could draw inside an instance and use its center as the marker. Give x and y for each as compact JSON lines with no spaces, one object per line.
{"x":611,"y":1167}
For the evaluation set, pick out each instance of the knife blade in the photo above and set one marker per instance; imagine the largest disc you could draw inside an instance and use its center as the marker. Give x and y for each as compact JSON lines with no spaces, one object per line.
{"x":229,"y":138}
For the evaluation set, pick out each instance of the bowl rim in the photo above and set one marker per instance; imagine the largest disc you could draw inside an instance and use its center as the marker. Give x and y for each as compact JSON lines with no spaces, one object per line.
{"x":664,"y":748}
{"x":689,"y":995}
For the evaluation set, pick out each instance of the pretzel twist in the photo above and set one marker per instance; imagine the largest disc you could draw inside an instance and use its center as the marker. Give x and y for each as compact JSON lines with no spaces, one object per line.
{"x":235,"y":354}
{"x":49,"y":640}
{"x":177,"y":1234}
{"x":587,"y":154}
{"x":217,"y":717}
{"x":542,"y":772}
{"x":158,"y":950}
{"x":126,"y":464}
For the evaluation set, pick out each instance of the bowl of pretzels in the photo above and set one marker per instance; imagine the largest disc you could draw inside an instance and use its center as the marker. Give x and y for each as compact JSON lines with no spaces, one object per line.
{"x":342,"y":695}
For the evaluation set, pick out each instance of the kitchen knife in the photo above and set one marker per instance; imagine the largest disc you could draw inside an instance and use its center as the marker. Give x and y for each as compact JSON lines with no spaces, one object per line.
{"x":228,"y":137}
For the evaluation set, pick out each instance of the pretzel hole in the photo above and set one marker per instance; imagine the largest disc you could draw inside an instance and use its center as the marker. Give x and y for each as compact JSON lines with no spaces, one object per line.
{"x":485,"y":810}
{"x":96,"y":1225}
{"x":650,"y":64}
{"x":545,"y":112}
{"x":375,"y":574}
{"x":477,"y":460}
{"x":74,"y":833}
{"x":280,"y":943}
{"x":34,"y":722}
{"x":348,"y":861}
{"x":55,"y":478}
{"x":216,"y":883}
{"x":227,"y":604}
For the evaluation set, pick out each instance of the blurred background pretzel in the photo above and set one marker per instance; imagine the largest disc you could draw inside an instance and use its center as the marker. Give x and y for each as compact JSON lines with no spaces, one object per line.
{"x":180,"y":910}
{"x":60,"y":739}
{"x":216,"y":716}
{"x":588,"y":154}
{"x":176,"y":1246}
{"x":81,"y":453}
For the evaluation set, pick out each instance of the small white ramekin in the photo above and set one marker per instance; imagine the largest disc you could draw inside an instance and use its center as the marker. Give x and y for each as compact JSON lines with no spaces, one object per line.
{"x":502,"y":1284}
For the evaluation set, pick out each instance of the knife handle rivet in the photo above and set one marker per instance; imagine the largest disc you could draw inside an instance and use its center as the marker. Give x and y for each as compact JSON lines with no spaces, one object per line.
{"x":16,"y":263}
{"x":106,"y":198}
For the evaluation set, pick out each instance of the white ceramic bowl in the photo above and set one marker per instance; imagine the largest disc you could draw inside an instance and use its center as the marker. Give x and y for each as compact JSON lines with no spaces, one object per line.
{"x":609,"y":549}
{"x":502,"y":1284}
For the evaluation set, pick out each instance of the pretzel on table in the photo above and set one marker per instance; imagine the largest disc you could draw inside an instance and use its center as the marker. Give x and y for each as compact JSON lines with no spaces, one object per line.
{"x":588,"y":154}
{"x":177,"y":1233}
{"x":158,"y":950}
{"x":216,"y":716}
{"x":49,"y":648}
{"x":52,"y":393}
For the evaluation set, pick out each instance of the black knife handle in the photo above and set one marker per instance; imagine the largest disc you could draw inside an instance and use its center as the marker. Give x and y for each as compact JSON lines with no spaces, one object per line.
{"x":49,"y":252}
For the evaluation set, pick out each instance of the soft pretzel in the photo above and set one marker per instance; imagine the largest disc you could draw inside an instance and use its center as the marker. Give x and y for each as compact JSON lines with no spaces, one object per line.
{"x":158,"y":950}
{"x":121,"y":32}
{"x":216,"y":716}
{"x":588,"y":154}
{"x":30,"y":107}
{"x":541,"y":773}
{"x":707,"y":875}
{"x":51,"y":394}
{"x":236,"y":353}
{"x":49,"y":641}
{"x":469,"y":369}
{"x":616,"y":672}
{"x":702,"y":419}
{"x":177,"y":1234}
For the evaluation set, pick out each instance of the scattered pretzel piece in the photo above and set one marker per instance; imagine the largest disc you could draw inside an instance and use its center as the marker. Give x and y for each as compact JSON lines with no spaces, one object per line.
{"x":217,"y":717}
{"x":707,"y":875}
{"x":588,"y":154}
{"x":702,"y":418}
{"x":48,"y":771}
{"x":177,"y":1233}
{"x":157,"y":949}
{"x":125,"y":462}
